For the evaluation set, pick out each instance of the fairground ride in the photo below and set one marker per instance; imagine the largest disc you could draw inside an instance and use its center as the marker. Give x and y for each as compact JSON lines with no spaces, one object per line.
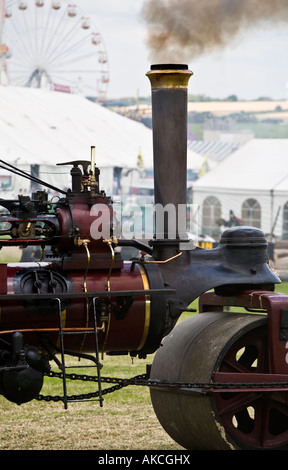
{"x":52,"y":44}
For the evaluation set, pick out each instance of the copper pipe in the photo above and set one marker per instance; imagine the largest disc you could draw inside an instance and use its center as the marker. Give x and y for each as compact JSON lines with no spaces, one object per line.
{"x":53,"y":330}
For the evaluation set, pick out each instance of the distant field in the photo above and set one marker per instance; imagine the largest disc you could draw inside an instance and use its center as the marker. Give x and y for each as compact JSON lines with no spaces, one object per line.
{"x":260,"y":111}
{"x":260,"y":129}
{"x":221,"y":108}
{"x":228,"y":107}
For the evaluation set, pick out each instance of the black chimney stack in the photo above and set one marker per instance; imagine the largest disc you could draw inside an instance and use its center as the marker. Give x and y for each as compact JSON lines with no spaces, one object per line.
{"x":169,"y":84}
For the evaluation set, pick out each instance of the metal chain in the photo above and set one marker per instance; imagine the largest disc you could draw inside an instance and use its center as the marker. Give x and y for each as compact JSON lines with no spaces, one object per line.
{"x":120,"y":383}
{"x":143,"y":380}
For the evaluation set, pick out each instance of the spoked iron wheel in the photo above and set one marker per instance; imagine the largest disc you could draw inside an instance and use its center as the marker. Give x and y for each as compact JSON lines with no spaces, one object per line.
{"x":195,"y":351}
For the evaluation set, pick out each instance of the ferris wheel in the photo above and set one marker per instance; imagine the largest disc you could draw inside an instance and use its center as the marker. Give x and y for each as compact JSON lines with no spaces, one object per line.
{"x":53,"y":44}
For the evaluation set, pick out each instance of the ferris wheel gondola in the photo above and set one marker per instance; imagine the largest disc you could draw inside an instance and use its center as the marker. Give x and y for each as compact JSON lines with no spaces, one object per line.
{"x":56,"y":5}
{"x":54,"y":44}
{"x":22,"y":5}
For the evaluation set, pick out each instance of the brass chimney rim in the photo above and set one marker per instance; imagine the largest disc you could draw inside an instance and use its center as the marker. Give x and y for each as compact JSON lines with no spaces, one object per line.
{"x":169,"y":75}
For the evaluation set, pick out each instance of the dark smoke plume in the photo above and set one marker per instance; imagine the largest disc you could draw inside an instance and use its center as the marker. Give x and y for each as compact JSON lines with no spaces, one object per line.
{"x":180,"y":30}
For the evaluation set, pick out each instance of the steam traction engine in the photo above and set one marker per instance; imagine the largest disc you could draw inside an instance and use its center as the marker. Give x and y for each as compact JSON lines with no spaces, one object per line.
{"x":220,"y":378}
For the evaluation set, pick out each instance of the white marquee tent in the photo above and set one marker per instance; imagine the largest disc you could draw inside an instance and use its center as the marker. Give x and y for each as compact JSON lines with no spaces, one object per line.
{"x":258,"y":171}
{"x":42,"y":127}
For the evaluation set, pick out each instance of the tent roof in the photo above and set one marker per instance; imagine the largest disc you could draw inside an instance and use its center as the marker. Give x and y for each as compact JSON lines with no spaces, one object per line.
{"x":46,"y":127}
{"x":261,"y":164}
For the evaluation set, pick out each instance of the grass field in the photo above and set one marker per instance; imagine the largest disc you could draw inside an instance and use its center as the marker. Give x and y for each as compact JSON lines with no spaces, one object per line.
{"x":125,"y":422}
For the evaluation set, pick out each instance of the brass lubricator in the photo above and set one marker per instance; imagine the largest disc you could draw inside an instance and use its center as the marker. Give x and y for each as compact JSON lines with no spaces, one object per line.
{"x":93,"y":182}
{"x":81,"y":182}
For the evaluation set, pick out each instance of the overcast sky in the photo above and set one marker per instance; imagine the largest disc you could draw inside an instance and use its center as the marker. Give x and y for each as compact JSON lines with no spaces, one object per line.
{"x":256,"y":66}
{"x":253,"y":64}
